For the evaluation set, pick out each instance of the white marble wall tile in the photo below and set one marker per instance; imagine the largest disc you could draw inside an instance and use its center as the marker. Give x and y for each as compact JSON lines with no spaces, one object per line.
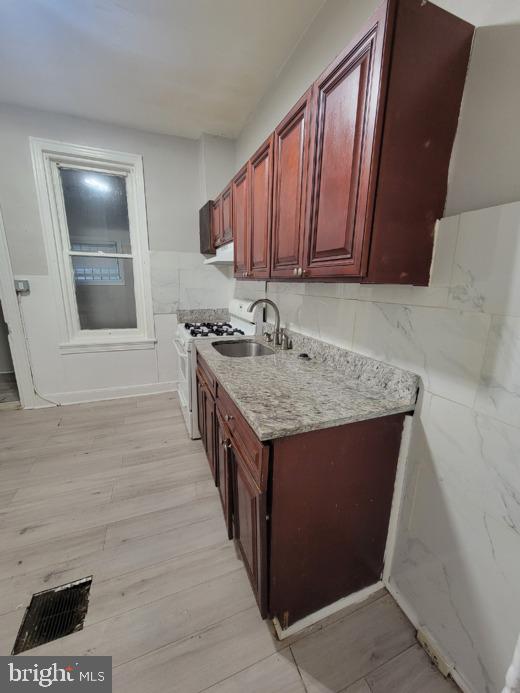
{"x":445,"y":347}
{"x":182,"y":280}
{"x":478,"y":455}
{"x":486,"y":270}
{"x":499,"y":389}
{"x":167,"y":360}
{"x":325,"y":318}
{"x":286,"y":287}
{"x":446,"y":235}
{"x":165,"y":282}
{"x":436,"y":296}
{"x":461,"y":573}
{"x":248,"y":289}
{"x":331,"y":289}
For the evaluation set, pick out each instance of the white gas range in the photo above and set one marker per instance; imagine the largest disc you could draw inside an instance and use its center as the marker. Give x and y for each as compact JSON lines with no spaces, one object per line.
{"x":241,"y":324}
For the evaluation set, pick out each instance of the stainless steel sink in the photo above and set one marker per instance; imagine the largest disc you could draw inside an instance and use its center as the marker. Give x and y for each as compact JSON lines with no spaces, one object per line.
{"x":242,"y":347}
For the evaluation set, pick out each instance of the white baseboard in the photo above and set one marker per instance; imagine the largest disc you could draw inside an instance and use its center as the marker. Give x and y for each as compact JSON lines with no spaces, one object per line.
{"x":413,"y":617}
{"x":311,"y":619}
{"x":82,"y":396}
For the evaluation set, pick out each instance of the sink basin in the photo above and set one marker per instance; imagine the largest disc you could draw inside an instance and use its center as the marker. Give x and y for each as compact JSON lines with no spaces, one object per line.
{"x":242,"y":347}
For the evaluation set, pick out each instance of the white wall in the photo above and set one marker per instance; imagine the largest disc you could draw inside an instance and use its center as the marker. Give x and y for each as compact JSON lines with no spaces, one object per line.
{"x":217,"y":165}
{"x":457,"y":564}
{"x":173,"y":170}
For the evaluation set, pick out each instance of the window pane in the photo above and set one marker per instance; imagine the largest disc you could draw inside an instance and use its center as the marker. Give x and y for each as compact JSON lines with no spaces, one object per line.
{"x":97,"y":270}
{"x":97,"y":211}
{"x":104,"y":293}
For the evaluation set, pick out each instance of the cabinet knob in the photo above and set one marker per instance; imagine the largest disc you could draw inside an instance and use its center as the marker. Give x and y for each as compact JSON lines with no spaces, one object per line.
{"x":228,"y":417}
{"x":295,"y":271}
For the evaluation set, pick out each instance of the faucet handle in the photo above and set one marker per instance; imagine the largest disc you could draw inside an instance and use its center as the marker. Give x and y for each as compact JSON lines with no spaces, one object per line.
{"x":286,"y":341}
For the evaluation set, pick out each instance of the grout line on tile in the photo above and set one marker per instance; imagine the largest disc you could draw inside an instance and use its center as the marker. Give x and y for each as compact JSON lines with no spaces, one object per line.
{"x":298,"y":669}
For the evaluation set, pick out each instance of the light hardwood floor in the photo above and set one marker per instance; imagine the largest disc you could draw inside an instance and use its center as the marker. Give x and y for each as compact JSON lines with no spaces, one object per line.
{"x":116,"y":490}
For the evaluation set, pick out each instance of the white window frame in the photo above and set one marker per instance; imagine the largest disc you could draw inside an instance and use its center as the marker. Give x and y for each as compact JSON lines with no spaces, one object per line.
{"x":47,"y":156}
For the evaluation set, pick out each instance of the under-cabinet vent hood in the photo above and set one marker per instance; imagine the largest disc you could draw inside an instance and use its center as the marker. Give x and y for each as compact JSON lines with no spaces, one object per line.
{"x":223,"y":256}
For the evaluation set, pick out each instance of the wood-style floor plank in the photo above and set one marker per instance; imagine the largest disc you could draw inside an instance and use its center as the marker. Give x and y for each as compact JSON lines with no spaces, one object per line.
{"x":409,"y":672}
{"x":272,"y":675}
{"x":117,"y":490}
{"x":339,"y":655}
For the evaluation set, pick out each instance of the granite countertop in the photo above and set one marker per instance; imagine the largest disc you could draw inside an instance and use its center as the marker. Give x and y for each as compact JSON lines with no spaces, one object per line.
{"x":281,"y":394}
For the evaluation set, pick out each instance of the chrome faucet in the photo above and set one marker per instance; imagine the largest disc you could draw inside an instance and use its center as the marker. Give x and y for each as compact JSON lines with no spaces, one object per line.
{"x":278,"y":333}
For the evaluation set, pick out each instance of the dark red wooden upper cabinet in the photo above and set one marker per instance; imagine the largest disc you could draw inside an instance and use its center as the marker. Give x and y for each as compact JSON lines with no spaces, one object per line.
{"x":345,"y":103}
{"x":361,"y":165}
{"x":261,"y":184}
{"x":291,"y":160}
{"x":216,"y":220}
{"x":226,"y":231}
{"x":240,"y":221}
{"x":430,"y":50}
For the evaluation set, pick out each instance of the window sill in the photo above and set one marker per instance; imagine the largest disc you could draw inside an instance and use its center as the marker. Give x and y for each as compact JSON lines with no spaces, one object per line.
{"x":93,"y":347}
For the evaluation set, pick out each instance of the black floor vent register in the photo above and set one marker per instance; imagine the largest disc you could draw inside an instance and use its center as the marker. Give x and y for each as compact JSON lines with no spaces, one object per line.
{"x":53,"y":614}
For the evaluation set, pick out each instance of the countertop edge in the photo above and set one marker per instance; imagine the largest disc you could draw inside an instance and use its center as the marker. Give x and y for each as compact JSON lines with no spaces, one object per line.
{"x":269,"y":435}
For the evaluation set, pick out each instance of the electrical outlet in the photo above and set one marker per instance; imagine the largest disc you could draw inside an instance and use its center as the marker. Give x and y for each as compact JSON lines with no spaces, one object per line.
{"x":21,"y":286}
{"x":434,"y":652}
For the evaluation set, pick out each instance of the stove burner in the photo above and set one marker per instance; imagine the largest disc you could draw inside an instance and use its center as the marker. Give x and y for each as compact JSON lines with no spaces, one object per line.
{"x":216,"y":329}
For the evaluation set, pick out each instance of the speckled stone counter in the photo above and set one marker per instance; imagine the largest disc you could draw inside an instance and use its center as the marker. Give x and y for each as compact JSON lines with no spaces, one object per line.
{"x":281,"y":395}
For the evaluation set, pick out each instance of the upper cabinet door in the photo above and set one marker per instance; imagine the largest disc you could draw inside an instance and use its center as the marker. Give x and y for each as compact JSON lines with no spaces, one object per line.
{"x":345,"y":103}
{"x":291,"y":154}
{"x":216,"y":214}
{"x":240,"y":222}
{"x":261,"y":183}
{"x":227,"y":231}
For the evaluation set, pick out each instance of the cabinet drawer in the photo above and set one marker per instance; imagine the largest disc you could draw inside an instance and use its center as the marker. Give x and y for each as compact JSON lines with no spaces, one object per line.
{"x":207,"y":374}
{"x":253,"y":451}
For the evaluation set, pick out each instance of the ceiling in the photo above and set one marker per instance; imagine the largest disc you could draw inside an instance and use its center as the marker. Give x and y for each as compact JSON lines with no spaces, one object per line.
{"x":172,"y":66}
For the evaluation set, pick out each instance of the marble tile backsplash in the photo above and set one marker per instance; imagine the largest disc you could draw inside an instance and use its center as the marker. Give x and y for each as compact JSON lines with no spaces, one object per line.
{"x":183,"y":281}
{"x":457,"y":560}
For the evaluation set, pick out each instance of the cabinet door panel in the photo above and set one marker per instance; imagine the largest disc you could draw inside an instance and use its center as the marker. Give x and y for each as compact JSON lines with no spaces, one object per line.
{"x":345,"y":104}
{"x":240,"y":222}
{"x":226,"y":232}
{"x":206,"y":420}
{"x":260,"y":172}
{"x":201,"y":410}
{"x":250,"y":529}
{"x":223,"y":473}
{"x":216,"y":214}
{"x":209,"y":437}
{"x":291,"y":149}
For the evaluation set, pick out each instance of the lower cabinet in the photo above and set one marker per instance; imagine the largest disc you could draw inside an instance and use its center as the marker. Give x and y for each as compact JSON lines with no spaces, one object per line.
{"x":206,"y":420}
{"x":309,"y":512}
{"x":250,"y":527}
